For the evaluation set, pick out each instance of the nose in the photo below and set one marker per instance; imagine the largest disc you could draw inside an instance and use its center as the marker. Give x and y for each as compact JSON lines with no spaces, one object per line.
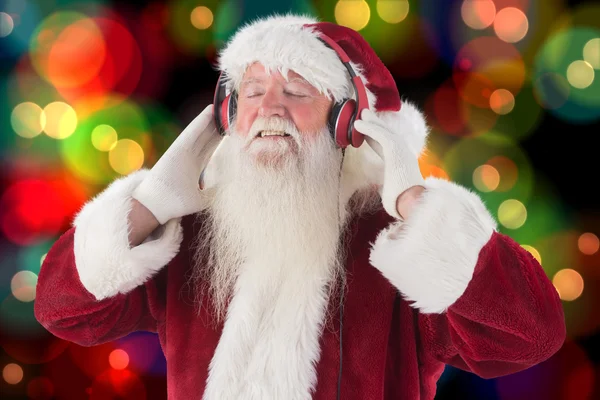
{"x":271,"y":104}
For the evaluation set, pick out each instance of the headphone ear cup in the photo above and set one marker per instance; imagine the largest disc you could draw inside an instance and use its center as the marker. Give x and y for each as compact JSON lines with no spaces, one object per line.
{"x":340,"y":122}
{"x":231,"y":108}
{"x":224,"y":114}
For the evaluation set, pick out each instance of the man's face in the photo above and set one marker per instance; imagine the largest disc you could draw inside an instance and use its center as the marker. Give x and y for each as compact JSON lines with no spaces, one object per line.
{"x":271,"y":97}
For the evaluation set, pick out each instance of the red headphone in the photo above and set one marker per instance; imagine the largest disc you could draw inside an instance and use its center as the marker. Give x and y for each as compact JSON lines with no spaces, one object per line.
{"x":342,"y":116}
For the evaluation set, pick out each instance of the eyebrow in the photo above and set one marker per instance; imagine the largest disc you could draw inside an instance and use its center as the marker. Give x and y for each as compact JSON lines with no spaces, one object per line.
{"x":260,"y":80}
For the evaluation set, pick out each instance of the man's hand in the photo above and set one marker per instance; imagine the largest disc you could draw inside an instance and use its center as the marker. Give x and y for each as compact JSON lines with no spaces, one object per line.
{"x":172,"y":190}
{"x":401,"y":167}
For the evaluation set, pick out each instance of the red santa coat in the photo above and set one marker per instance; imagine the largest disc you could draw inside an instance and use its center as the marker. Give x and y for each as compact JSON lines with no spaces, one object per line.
{"x":442,"y":287}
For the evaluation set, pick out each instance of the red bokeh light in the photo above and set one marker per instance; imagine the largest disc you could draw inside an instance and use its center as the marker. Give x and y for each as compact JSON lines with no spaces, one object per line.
{"x":121,"y":384}
{"x":40,"y":388}
{"x":484,"y":65}
{"x":122,"y":67}
{"x":31,"y":210}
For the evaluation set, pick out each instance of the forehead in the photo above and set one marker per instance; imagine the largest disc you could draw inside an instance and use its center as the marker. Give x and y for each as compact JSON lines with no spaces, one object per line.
{"x":257,"y":71}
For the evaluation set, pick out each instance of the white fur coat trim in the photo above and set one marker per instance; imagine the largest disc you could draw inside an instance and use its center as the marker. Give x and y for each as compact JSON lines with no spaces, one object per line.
{"x":431,"y":256}
{"x":106,"y":263}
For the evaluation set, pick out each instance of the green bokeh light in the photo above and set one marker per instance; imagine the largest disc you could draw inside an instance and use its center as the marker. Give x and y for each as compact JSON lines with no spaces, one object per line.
{"x":524,"y":118}
{"x":469,"y":153}
{"x":578,"y":106}
{"x":78,"y":151}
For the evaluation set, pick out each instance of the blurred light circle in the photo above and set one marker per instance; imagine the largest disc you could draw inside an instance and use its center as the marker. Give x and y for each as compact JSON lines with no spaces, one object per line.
{"x":588,"y":243}
{"x":533,"y":251}
{"x":17,"y":318}
{"x":552,"y":378}
{"x":67,"y":49}
{"x":127,"y":156}
{"x":486,"y":178}
{"x":562,"y":55}
{"x":76,"y":55}
{"x":104,"y":137}
{"x":552,"y":90}
{"x":478,"y":14}
{"x":523,"y":118}
{"x":29,"y":342}
{"x":512,"y":214}
{"x":511,"y":24}
{"x":61,"y":120}
{"x":6,"y":24}
{"x":451,"y":114}
{"x":354,"y":14}
{"x":28,"y":120}
{"x":121,"y":384}
{"x":78,"y":152}
{"x":144,"y":352}
{"x":201,"y":17}
{"x":580,"y":74}
{"x":569,"y":284}
{"x":502,"y":101}
{"x":507,"y":172}
{"x":85,"y":58}
{"x":92,"y":361}
{"x":12,"y":373}
{"x":23,"y":285}
{"x":29,"y":211}
{"x":591,"y":53}
{"x":393,"y":11}
{"x":40,"y":388}
{"x":484,"y":65}
{"x":118,"y":359}
{"x":500,"y":152}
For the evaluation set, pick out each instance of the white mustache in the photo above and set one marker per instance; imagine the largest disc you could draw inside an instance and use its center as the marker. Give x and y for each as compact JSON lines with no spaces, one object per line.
{"x":273,"y":124}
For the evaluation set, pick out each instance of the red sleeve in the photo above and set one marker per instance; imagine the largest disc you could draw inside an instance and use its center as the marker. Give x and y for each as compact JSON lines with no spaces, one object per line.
{"x":509,"y":318}
{"x":66,"y":309}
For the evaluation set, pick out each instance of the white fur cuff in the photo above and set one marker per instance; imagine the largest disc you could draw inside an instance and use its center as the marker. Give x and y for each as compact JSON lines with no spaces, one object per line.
{"x":431,"y":256}
{"x":106,"y":263}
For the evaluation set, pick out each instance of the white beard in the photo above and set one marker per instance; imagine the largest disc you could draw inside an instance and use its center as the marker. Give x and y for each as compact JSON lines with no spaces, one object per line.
{"x":274,"y":211}
{"x":274,"y":262}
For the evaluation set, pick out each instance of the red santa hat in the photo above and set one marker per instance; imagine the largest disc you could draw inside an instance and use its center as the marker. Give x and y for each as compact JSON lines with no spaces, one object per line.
{"x":291,"y":42}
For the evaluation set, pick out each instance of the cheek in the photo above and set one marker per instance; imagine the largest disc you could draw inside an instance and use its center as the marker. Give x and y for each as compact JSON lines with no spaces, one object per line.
{"x":244,"y":117}
{"x":310,"y":119}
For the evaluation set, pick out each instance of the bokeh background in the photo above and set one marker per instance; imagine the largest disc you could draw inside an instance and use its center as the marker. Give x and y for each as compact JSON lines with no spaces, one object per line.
{"x":93,"y":90}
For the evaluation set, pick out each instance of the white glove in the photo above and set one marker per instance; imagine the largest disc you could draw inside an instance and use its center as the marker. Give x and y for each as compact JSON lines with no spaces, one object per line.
{"x":401,"y":170}
{"x":171,"y":189}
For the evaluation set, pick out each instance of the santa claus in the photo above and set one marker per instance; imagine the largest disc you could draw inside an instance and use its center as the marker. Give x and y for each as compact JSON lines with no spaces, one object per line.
{"x":306,"y":263}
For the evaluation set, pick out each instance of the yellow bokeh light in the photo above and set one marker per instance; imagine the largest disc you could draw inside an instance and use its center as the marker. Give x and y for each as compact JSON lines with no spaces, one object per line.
{"x":588,"y":243}
{"x":354,"y":14}
{"x":104,"y":137}
{"x":126,"y":156}
{"x":533,"y":251}
{"x":61,"y":120}
{"x":512,"y":214}
{"x":580,"y":74}
{"x":478,"y":14}
{"x":591,"y":53}
{"x":6,"y":24}
{"x":201,"y":17}
{"x":392,"y":11}
{"x":511,"y":24}
{"x":22,"y":286}
{"x":118,"y":359}
{"x":28,"y":120}
{"x":42,"y":258}
{"x":486,"y":178}
{"x":502,"y":101}
{"x":568,"y":283}
{"x":12,"y":373}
